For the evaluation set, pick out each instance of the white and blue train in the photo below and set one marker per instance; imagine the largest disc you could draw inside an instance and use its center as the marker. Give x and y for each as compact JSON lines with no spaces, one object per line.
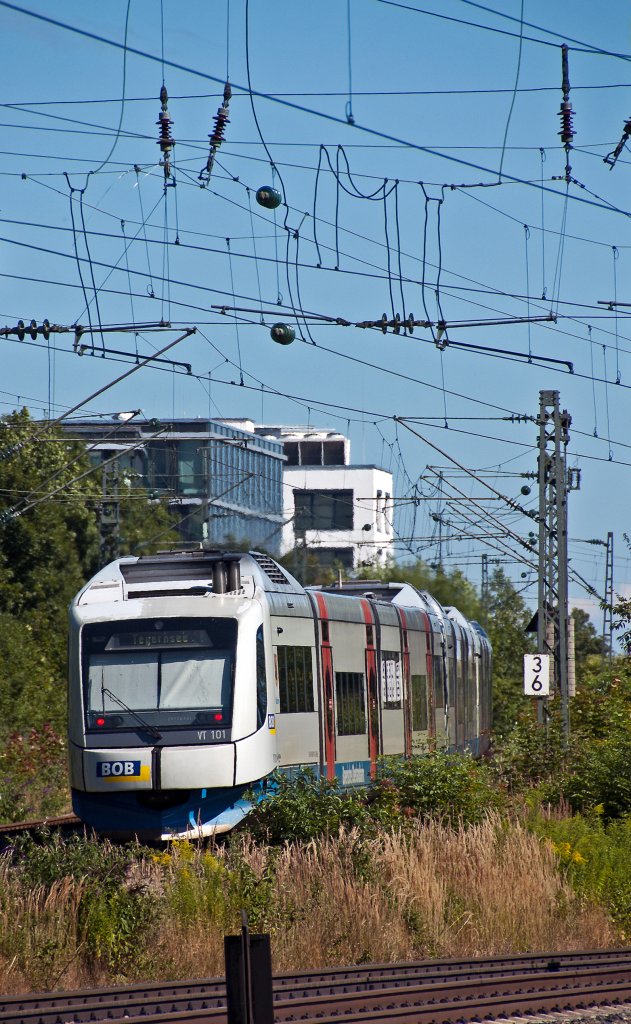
{"x":194,"y":675}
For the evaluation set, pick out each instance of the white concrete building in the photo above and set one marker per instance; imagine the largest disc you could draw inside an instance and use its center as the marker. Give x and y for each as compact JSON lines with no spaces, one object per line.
{"x":339,"y":512}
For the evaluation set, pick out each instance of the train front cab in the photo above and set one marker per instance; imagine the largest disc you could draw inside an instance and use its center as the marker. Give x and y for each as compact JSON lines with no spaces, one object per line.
{"x":134,"y":772}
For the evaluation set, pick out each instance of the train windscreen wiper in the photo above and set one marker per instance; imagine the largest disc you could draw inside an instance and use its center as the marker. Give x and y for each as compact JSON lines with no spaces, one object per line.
{"x":151,"y":729}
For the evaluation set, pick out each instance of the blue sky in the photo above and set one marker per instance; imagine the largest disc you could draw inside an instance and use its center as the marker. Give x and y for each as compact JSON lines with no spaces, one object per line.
{"x":440,"y":80}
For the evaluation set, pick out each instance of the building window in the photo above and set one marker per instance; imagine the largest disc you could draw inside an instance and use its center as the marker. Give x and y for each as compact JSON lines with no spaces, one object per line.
{"x":311,"y":453}
{"x":323,"y":510}
{"x":291,"y":451}
{"x":332,"y":557}
{"x":350,"y":703}
{"x":295,"y":679}
{"x":332,"y":453}
{"x":190,"y":466}
{"x":391,"y":682}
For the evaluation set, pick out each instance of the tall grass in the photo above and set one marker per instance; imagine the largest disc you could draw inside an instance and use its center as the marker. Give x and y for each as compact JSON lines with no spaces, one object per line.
{"x":433,"y":890}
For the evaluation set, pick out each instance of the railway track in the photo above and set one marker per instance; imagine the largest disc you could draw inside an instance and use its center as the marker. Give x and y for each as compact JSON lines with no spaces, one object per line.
{"x":63,"y":822}
{"x":405,"y":993}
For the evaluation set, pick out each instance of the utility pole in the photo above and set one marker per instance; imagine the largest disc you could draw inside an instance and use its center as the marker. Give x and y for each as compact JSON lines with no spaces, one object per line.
{"x":484,"y":589}
{"x":552,"y":617}
{"x":109,"y":515}
{"x":440,"y":523}
{"x":608,"y":613}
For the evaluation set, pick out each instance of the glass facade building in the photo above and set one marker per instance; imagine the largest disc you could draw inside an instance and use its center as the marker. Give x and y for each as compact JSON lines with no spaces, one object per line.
{"x":225,"y":484}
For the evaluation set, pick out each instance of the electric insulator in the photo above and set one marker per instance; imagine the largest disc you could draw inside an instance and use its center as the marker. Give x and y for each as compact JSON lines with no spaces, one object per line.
{"x":46,"y":330}
{"x":221,"y":119}
{"x":567,"y":132}
{"x":32,"y":329}
{"x":21,"y":330}
{"x":217,"y":135}
{"x":166,"y":142}
{"x":268,"y":197}
{"x":283,"y":334}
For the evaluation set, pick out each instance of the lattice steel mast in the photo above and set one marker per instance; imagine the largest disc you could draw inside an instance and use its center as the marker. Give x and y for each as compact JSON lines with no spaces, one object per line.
{"x":552,"y":618}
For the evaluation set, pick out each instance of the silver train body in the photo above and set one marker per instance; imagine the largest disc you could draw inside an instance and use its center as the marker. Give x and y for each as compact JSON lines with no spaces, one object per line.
{"x":193,"y":676}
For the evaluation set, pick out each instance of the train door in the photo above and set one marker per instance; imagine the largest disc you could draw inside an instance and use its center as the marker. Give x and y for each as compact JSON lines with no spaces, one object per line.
{"x":439,"y":675}
{"x":372,"y":688}
{"x":459,"y":674}
{"x":420,"y":703}
{"x":296,"y":713}
{"x":449,"y":653}
{"x":392,"y":683}
{"x":474,"y":682}
{"x":352,"y":752}
{"x":407,"y":683}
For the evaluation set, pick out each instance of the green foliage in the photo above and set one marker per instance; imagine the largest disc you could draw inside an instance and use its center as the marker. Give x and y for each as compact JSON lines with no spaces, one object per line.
{"x":593,"y":768}
{"x":44,"y":551}
{"x":302,"y":806}
{"x":507,"y":619}
{"x":450,"y":786}
{"x":32,"y":688}
{"x":597,"y":774}
{"x":595,"y":858}
{"x":602,"y":704}
{"x":46,"y":554}
{"x":33,"y":774}
{"x":45,"y":856}
{"x":448,"y":587}
{"x":114,"y":926}
{"x":587,"y":641}
{"x":113,"y":916}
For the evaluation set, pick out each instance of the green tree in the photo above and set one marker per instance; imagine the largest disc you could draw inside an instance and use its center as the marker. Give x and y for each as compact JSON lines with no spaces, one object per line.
{"x":448,"y":587}
{"x":587,"y":641}
{"x":48,"y":548}
{"x":508,"y":617}
{"x":47,"y":541}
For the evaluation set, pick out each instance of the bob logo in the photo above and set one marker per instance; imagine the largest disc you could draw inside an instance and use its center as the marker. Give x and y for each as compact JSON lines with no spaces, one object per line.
{"x":121,"y":771}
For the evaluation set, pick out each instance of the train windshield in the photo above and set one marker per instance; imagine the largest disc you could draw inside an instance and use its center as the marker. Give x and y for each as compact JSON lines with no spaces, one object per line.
{"x":159,"y":673}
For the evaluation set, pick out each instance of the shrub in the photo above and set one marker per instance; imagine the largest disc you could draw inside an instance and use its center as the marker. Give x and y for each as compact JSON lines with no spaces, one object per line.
{"x":595,"y":858}
{"x":451,"y":786}
{"x":304,"y":805}
{"x":33,"y":775}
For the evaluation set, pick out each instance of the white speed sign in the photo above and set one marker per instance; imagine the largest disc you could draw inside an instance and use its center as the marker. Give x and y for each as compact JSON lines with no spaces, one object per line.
{"x":537,"y":675}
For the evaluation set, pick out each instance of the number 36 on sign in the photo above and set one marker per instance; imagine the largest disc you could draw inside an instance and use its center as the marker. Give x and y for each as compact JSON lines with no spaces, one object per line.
{"x":537,"y":675}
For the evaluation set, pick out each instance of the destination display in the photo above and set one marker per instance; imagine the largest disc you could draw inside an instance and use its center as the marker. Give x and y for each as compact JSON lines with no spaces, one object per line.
{"x":163,"y":638}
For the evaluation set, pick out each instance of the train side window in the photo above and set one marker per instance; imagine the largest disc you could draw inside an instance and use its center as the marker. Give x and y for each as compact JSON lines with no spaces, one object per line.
{"x":419,"y":703}
{"x":439,"y":681}
{"x":261,"y":680}
{"x":325,"y":631}
{"x":295,"y":679}
{"x":391,"y":681}
{"x":350,"y":703}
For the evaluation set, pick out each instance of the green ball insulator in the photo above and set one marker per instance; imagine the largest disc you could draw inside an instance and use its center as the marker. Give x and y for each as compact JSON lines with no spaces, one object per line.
{"x":525,"y":490}
{"x":283,"y":334}
{"x":268,"y":197}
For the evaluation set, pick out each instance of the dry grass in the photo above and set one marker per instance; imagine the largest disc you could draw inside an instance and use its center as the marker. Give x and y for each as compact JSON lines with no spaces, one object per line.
{"x":434,"y":891}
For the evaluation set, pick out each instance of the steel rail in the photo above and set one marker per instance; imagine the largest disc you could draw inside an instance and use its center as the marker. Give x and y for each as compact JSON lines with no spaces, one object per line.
{"x":445,"y":990}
